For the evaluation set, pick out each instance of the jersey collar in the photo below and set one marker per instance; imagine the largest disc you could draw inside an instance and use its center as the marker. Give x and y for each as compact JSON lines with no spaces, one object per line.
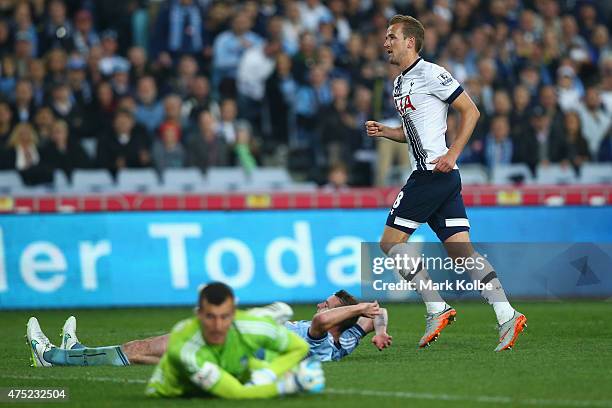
{"x":404,"y":72}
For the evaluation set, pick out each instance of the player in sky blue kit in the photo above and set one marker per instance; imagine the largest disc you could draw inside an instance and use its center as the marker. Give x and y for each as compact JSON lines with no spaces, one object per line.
{"x":334,"y":332}
{"x":422,"y":94}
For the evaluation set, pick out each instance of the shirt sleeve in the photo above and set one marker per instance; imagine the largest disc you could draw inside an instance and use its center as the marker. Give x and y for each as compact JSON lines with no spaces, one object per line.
{"x":443,"y":85}
{"x":349,"y":339}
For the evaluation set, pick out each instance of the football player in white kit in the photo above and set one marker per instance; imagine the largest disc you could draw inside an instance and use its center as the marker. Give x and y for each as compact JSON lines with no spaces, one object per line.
{"x":432,"y":194}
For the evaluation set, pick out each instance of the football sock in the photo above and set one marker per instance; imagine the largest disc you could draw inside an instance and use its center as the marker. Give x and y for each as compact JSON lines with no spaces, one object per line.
{"x":433,"y":301}
{"x":495,"y":296}
{"x":90,"y":356}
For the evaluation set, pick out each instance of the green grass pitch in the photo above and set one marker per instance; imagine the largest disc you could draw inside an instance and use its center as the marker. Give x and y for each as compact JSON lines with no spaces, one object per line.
{"x":563,"y":359}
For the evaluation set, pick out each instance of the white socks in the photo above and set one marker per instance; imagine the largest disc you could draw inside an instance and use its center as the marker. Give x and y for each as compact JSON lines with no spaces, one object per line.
{"x":433,"y":301}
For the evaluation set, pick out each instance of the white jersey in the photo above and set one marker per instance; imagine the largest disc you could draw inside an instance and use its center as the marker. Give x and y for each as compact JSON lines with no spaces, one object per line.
{"x":422,"y":94}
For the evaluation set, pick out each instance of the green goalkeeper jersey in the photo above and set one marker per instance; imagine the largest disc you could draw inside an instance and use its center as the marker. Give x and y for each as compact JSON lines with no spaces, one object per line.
{"x":190,"y":367}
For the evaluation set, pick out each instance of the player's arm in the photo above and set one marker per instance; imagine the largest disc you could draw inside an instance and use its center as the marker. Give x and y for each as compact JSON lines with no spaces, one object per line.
{"x":377,"y":129}
{"x":327,"y":319}
{"x":469,"y":114}
{"x":379,"y":323}
{"x":290,"y":356}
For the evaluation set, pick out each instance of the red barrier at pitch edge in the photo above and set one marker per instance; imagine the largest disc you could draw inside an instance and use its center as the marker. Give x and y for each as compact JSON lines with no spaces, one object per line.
{"x":474,"y":196}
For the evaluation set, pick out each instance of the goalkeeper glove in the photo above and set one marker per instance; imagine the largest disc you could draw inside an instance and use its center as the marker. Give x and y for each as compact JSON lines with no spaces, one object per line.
{"x":307,"y":376}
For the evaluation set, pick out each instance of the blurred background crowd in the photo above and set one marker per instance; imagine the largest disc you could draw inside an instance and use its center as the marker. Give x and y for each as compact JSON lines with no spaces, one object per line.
{"x":119,"y":84}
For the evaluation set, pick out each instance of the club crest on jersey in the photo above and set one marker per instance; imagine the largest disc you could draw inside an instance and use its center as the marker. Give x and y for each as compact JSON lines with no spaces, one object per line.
{"x":403,"y":104}
{"x":445,"y":78}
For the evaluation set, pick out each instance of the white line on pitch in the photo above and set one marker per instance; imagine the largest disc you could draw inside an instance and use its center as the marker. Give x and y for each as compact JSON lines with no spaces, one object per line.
{"x":369,"y":393}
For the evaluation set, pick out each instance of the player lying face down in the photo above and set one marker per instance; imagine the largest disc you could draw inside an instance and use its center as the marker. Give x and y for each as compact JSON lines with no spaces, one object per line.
{"x":334,"y":332}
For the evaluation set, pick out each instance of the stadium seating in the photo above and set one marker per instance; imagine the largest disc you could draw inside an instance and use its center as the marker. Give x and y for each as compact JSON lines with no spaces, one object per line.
{"x":10,"y":182}
{"x":555,"y":174}
{"x":182,"y":180}
{"x":596,"y":173}
{"x":137,"y":181}
{"x":473,"y":174}
{"x":225,"y":179}
{"x":92,"y":181}
{"x":511,"y":174}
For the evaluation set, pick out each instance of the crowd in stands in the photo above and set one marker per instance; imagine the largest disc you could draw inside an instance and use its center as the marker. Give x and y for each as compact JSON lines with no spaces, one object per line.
{"x":119,"y":84}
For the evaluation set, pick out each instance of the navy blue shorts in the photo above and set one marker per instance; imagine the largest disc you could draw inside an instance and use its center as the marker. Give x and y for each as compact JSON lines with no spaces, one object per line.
{"x":434,"y":198}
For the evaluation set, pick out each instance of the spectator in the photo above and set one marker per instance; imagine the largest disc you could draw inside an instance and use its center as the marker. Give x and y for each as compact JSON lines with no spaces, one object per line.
{"x":548,"y":100}
{"x":23,"y":24}
{"x":606,"y":83}
{"x":569,"y":88}
{"x":312,"y":12}
{"x":337,"y":123}
{"x":309,"y":100}
{"x":65,"y":108}
{"x":43,"y":122}
{"x":6,"y":46}
{"x":57,"y":61}
{"x":120,"y":80}
{"x":281,"y":88}
{"x":498,"y":146}
{"x":109,"y":60}
{"x":539,"y":145}
{"x":187,"y":71}
{"x":576,"y":148}
{"x":23,"y":52}
{"x":199,"y":100}
{"x":103,"y":111}
{"x":6,"y":123}
{"x":64,"y":152}
{"x":173,"y":110}
{"x":139,"y":65}
{"x":229,"y":121}
{"x":244,"y":149}
{"x":168,"y":152}
{"x":228,"y":48}
{"x":337,"y":178}
{"x":292,"y":26}
{"x":24,"y":156}
{"x":80,"y":89}
{"x":519,"y":116}
{"x":256,"y":65}
{"x":179,"y":29}
{"x":38,"y":73}
{"x":57,"y":31}
{"x":206,"y":146}
{"x":594,"y":118}
{"x":305,"y":58}
{"x":125,"y":148}
{"x":23,"y":108}
{"x":149,"y":110}
{"x":84,"y":36}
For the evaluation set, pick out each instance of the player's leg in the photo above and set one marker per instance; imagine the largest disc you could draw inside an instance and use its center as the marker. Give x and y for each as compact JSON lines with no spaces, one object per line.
{"x":146,"y":351}
{"x":511,"y":323}
{"x":278,"y":311}
{"x":45,"y":354}
{"x":413,"y":206}
{"x":451,"y":225}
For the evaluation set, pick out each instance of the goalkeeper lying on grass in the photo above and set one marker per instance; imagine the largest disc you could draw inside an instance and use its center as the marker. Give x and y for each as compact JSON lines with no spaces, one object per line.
{"x":333,"y":333}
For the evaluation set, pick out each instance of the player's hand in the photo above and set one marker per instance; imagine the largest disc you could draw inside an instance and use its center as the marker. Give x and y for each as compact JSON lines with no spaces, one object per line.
{"x":262,"y":376}
{"x":375,"y":129}
{"x":444,"y":163}
{"x":382,"y":341}
{"x":370,"y":310}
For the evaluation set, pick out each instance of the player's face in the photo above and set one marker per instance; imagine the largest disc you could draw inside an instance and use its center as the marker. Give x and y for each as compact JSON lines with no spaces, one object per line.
{"x":216,"y":320}
{"x":396,"y":45}
{"x":329,"y":303}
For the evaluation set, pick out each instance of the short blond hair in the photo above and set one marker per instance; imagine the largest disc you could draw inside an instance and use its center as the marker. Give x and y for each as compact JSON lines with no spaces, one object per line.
{"x":13,"y":140}
{"x":411,"y":27}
